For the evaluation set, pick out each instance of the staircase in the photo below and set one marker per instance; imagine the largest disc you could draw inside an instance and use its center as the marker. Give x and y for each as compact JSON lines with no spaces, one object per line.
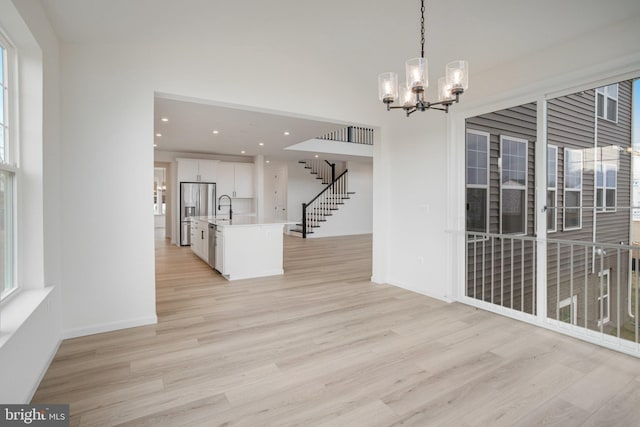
{"x":315,"y":212}
{"x":322,"y":169}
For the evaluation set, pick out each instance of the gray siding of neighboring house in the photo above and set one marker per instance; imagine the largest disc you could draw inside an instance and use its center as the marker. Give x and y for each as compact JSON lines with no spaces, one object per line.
{"x":572,"y":124}
{"x":508,"y":271}
{"x":612,"y":226}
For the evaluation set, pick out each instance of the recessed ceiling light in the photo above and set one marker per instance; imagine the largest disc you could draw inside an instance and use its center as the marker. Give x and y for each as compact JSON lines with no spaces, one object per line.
{"x":158,"y":134}
{"x":164,"y":119}
{"x":215,"y":132}
{"x":261,"y":144}
{"x":268,"y":161}
{"x":155,"y":145}
{"x":317,"y":156}
{"x":242,"y":152}
{"x":286,"y":133}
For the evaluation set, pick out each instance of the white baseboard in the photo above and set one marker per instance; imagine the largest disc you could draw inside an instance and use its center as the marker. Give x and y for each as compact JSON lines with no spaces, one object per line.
{"x":43,"y":372}
{"x":440,"y":297}
{"x":108,"y":327}
{"x":278,"y":272}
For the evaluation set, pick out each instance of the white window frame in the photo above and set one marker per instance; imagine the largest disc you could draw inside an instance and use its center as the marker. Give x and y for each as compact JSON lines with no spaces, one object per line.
{"x":515,"y":186}
{"x":604,"y":165}
{"x":10,"y":167}
{"x":604,"y":282}
{"x":571,"y":302}
{"x":607,"y":94}
{"x":565,"y":190}
{"x":554,"y":189}
{"x":488,"y":185}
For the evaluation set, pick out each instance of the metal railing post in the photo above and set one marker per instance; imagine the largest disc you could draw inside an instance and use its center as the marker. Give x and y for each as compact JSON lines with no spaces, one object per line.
{"x":304,"y":220}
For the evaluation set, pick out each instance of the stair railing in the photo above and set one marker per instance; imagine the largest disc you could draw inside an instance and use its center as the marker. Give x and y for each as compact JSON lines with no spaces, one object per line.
{"x":324,"y":203}
{"x":322,"y":168}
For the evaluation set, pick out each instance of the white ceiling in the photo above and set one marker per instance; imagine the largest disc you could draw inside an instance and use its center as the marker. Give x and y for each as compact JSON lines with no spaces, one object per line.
{"x":191,"y":124}
{"x":365,"y":36}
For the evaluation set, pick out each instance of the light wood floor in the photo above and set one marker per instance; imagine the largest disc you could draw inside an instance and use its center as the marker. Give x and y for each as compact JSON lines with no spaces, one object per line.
{"x":321,"y":345}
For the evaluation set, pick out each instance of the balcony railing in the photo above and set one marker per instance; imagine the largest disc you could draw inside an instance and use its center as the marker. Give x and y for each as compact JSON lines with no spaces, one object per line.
{"x":353,"y":134}
{"x":590,"y":290}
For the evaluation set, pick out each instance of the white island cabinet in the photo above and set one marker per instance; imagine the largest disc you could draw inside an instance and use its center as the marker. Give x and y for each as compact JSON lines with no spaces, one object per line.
{"x":200,"y":237}
{"x":249,"y":248}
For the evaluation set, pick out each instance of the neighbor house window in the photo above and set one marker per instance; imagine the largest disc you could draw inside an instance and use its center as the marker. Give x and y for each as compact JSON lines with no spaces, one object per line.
{"x":606,"y":166}
{"x":607,"y":102}
{"x":552,"y":187}
{"x":7,"y":172}
{"x":572,"y":189}
{"x":568,"y":310}
{"x":513,"y":185}
{"x":603,"y":303}
{"x":477,"y":181}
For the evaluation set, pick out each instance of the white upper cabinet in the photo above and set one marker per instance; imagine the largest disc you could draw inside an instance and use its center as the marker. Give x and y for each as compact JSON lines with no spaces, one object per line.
{"x":197,"y":170}
{"x":243,"y":178}
{"x":208,"y":170}
{"x":225,"y":183}
{"x":235,"y":180}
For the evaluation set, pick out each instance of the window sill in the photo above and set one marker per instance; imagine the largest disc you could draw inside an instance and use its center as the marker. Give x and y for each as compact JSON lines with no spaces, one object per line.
{"x":15,"y":312}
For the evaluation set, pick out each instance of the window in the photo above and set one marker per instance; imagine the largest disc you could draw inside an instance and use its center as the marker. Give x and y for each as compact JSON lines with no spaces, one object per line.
{"x":572,"y":189}
{"x":7,"y":175}
{"x":4,"y":107}
{"x":513,"y":185}
{"x":603,"y":302}
{"x":606,"y":178}
{"x":159,"y":191}
{"x":552,"y":187}
{"x":568,"y":310}
{"x":477,"y":181}
{"x":607,"y":102}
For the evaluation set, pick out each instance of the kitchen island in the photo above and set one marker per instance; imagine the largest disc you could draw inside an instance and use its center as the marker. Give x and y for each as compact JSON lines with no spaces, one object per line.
{"x":246,"y":247}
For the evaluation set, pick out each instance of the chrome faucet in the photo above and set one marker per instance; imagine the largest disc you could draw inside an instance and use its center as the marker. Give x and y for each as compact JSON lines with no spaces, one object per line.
{"x":230,"y":208}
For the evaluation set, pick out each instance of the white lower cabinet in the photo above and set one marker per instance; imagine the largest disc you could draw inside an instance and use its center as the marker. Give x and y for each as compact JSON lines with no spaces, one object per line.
{"x":200,"y":239}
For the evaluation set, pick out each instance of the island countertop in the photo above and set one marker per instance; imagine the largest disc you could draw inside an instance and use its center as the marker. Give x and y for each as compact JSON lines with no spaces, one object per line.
{"x":243,"y":221}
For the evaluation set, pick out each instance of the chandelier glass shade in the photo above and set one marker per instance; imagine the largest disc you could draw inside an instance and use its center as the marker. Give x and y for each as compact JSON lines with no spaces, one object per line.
{"x":410,"y":93}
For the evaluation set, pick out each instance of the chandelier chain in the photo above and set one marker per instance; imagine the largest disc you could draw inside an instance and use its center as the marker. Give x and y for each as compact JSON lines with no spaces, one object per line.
{"x":422,"y":30}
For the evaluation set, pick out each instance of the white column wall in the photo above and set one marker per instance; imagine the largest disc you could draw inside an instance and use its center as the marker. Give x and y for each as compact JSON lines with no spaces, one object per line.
{"x":417,"y":204}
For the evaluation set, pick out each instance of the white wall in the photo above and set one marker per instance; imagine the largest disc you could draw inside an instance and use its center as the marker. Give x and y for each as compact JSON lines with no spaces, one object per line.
{"x":356,"y":215}
{"x":302,"y":186}
{"x":31,"y":321}
{"x":107,"y":168}
{"x":415,"y":204}
{"x":275,"y":190}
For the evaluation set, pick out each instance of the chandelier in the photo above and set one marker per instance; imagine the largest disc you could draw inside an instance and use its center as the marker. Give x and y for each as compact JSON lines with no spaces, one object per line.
{"x":411,"y":99}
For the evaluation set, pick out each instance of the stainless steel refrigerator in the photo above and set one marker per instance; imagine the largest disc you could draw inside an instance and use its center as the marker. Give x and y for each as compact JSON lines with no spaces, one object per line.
{"x":196,"y":199}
